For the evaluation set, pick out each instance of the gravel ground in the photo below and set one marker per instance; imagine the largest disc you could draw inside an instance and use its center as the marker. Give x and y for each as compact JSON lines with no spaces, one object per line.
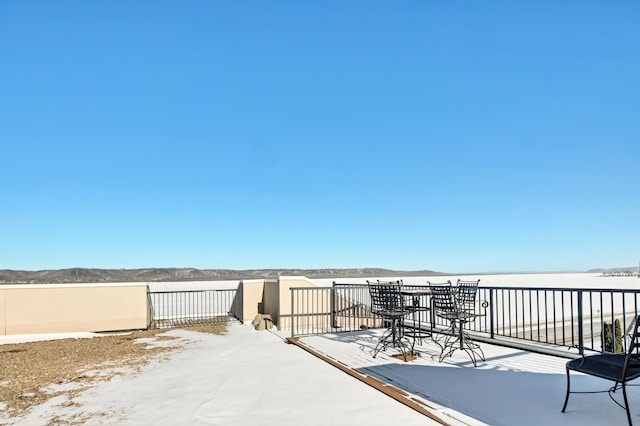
{"x":31,"y":373}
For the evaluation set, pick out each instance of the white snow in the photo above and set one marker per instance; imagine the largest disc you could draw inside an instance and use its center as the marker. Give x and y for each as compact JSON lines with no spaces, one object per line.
{"x":250,"y":377}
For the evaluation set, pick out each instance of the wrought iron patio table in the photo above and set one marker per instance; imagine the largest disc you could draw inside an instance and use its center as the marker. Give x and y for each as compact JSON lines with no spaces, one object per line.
{"x":416,"y":308}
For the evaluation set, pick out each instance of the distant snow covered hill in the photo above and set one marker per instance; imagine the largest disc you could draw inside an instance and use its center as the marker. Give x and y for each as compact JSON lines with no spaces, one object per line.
{"x":89,"y":275}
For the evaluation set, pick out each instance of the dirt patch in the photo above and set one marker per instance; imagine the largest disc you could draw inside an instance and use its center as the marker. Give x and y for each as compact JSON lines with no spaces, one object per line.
{"x":411,"y":356}
{"x":31,"y":373}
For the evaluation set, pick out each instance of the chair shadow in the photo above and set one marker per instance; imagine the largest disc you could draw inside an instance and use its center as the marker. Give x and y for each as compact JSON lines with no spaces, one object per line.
{"x":499,"y":391}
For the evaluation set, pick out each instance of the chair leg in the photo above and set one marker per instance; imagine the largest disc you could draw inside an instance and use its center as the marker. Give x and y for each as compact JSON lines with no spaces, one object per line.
{"x":393,"y":336}
{"x":566,"y":398}
{"x":448,"y":342}
{"x":624,"y":395}
{"x":458,"y":339}
{"x":382,"y":343}
{"x":626,"y":403}
{"x":399,"y":326}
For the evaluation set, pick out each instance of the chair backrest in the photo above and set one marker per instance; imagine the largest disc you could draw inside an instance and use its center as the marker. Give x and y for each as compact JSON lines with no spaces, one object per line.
{"x":442,"y":296}
{"x":632,"y":358}
{"x":386,"y":298}
{"x":466,"y":291}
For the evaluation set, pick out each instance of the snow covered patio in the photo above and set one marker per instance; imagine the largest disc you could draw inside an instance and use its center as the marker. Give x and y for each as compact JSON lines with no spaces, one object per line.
{"x":248,"y":377}
{"x":512,"y":387}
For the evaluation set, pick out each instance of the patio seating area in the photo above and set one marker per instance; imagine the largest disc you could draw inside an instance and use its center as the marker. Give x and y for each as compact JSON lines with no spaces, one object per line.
{"x":510,"y":387}
{"x":402,"y":317}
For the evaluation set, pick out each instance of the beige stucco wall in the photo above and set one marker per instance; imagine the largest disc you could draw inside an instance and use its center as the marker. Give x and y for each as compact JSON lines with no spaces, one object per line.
{"x":252,"y":293}
{"x":3,"y":322}
{"x":317,"y":304}
{"x":271,"y":300}
{"x":61,"y":308}
{"x":236,"y":304}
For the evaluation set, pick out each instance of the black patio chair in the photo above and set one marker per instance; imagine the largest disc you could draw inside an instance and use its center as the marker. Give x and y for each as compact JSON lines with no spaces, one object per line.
{"x":452,"y":304}
{"x":387,"y":302}
{"x":466,"y":292}
{"x":466,"y":295}
{"x":618,"y":368}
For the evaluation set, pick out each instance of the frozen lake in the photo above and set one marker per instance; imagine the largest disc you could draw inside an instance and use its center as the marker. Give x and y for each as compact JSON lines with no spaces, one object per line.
{"x":554,"y":280}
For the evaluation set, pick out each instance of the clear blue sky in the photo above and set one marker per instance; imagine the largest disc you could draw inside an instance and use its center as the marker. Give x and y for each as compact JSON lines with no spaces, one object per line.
{"x":454,"y":136}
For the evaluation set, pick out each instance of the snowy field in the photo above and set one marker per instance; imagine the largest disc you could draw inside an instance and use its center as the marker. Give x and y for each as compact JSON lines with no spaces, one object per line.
{"x":555,"y":280}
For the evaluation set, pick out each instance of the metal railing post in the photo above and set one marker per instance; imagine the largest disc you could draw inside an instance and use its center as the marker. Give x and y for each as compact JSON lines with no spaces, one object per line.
{"x":332,"y":302}
{"x":491,"y":319}
{"x":580,"y":324}
{"x":292,"y":334}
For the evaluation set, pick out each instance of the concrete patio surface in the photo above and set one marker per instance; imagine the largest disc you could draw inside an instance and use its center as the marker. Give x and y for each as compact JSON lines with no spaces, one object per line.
{"x":512,"y":387}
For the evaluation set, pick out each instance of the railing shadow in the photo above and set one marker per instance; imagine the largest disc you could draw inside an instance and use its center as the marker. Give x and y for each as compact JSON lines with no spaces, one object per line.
{"x":501,"y":396}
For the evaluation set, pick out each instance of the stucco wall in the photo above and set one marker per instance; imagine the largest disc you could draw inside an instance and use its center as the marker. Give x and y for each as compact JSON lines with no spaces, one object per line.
{"x":271,"y":301}
{"x":316,"y":303}
{"x":237,"y":305}
{"x":3,"y":322}
{"x":62,"y":308}
{"x":274,"y":298}
{"x":252,"y":293}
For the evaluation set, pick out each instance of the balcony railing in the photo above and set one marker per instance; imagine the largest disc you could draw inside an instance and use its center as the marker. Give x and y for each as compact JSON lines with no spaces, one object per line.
{"x":548,"y":318}
{"x":175,"y":308}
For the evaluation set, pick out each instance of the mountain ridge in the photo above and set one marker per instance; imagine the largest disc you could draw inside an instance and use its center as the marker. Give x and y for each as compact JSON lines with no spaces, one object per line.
{"x":606,"y":270}
{"x":98,"y":275}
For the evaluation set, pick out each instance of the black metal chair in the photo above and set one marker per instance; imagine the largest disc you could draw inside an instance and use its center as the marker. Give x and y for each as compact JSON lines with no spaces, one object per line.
{"x":455,"y":304}
{"x":618,"y":368}
{"x":466,"y":292}
{"x":387,"y":302}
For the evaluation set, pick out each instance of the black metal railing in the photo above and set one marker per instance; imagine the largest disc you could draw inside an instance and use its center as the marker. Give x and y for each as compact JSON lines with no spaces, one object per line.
{"x":176,"y":308}
{"x":565,"y":317}
{"x":342,"y":307}
{"x":546,"y":317}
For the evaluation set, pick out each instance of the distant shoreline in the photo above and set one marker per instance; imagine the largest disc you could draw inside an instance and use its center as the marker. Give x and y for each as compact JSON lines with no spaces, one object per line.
{"x":96,"y":275}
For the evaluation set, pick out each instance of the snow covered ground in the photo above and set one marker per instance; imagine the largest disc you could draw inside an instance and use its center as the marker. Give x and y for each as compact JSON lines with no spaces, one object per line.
{"x":250,"y":377}
{"x":245,"y":377}
{"x":512,"y":387}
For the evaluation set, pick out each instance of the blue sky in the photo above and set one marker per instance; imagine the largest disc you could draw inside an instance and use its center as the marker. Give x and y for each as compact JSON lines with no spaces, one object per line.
{"x":452,"y":136}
